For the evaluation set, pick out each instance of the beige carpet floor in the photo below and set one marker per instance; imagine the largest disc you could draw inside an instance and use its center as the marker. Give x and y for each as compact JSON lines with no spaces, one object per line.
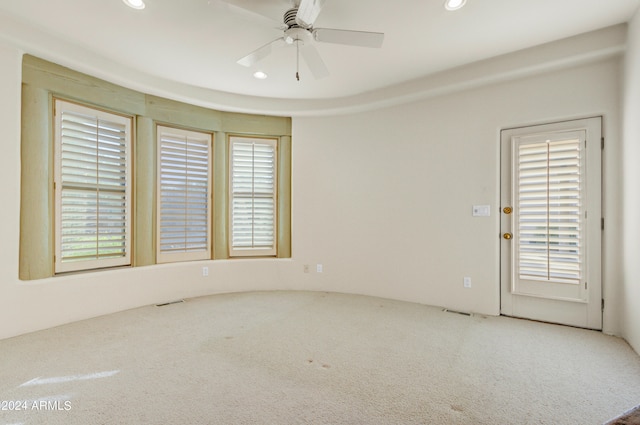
{"x":313,"y":358}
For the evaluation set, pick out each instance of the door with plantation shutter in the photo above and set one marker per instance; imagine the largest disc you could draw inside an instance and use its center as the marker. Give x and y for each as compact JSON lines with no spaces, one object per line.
{"x":252,"y":205}
{"x":551,"y":223}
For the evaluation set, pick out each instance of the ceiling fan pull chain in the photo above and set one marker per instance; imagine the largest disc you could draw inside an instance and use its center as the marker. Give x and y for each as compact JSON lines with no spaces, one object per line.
{"x":298,"y":60}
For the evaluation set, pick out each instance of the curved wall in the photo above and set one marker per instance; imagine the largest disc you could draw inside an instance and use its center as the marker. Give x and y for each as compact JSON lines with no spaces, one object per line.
{"x":631,"y":176}
{"x":382,"y":190}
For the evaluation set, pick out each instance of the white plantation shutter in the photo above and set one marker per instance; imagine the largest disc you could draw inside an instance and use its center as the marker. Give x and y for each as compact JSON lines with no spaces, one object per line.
{"x":93,"y":176}
{"x":550,"y":207}
{"x":253,"y":196}
{"x":184,"y":198}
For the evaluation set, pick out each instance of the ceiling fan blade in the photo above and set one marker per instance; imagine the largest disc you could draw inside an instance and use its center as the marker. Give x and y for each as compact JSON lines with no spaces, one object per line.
{"x":351,"y":38}
{"x":261,"y":53}
{"x":314,"y":61}
{"x":308,"y":12}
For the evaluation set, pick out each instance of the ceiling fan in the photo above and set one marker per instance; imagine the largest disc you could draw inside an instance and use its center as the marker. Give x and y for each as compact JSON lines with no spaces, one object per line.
{"x":299,"y":31}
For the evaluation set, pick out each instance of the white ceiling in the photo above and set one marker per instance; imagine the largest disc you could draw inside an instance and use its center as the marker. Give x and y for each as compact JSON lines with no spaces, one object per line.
{"x":197,"y":42}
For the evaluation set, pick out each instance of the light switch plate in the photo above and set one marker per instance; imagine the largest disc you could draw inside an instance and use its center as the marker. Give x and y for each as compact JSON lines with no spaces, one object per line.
{"x":481,"y":210}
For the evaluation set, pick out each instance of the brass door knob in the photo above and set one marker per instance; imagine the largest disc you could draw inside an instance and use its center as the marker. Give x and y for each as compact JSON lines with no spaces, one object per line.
{"x":507,"y":210}
{"x":507,"y":236}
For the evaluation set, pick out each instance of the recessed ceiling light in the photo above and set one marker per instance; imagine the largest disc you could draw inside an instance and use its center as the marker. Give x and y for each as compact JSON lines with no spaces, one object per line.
{"x":135,"y":4}
{"x":260,"y":75}
{"x":454,"y":4}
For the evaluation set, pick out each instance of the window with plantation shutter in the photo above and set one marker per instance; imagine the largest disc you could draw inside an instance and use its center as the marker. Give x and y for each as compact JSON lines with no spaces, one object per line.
{"x":184,"y":195}
{"x":550,"y":197}
{"x":92,"y":188}
{"x":252,"y":196}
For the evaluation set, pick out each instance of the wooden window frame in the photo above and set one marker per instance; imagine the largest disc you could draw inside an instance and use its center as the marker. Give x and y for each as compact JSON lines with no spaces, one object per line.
{"x":253,"y":251}
{"x":190,"y":136}
{"x":61,"y":264}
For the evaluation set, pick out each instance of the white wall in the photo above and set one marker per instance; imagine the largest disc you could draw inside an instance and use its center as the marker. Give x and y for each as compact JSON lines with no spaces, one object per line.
{"x":382,"y":199}
{"x":631,"y":188}
{"x":10,"y":78}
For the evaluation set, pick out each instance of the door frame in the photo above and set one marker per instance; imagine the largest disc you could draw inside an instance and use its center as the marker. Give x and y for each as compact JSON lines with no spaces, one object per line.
{"x":585,"y":314}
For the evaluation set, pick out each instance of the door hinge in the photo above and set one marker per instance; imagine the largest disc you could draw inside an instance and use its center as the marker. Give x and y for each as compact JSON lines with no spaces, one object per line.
{"x":586,"y":285}
{"x":603,"y":304}
{"x":602,"y":223}
{"x":602,"y":144}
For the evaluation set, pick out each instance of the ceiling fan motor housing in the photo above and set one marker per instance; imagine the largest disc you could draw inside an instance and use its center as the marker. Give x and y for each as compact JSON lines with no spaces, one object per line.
{"x":294,"y":31}
{"x":290,"y":18}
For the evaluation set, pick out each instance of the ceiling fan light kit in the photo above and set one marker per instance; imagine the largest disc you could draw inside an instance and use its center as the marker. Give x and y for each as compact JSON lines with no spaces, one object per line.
{"x":297,"y":34}
{"x":298,"y":29}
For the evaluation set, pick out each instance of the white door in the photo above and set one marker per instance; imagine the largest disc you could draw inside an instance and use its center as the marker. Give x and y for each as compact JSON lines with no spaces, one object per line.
{"x":551,"y":223}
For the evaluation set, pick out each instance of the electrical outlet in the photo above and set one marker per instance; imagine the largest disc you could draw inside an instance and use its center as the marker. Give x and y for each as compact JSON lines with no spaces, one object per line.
{"x":319,"y":268}
{"x":306,"y":268}
{"x":467,"y":282}
{"x":205,"y":271}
